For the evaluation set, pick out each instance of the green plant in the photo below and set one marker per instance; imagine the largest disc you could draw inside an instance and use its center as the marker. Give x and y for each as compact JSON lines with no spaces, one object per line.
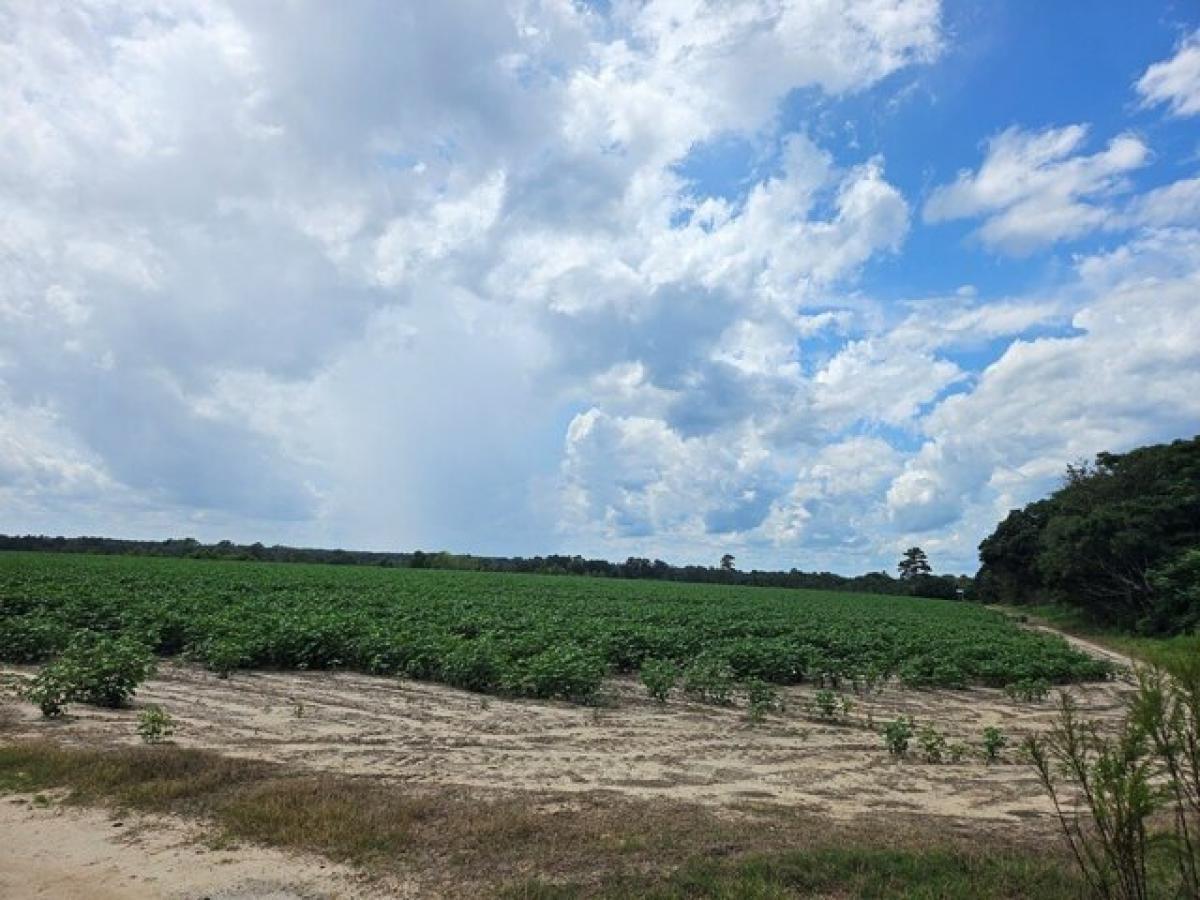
{"x":155,"y":724}
{"x":659,"y":677}
{"x":94,"y":668}
{"x":994,"y":741}
{"x":831,"y":705}
{"x":709,"y":680}
{"x":1114,"y":775}
{"x":897,"y":734}
{"x":1029,"y":690}
{"x":49,"y":691}
{"x":957,"y":752}
{"x":933,"y":744}
{"x":762,"y":698}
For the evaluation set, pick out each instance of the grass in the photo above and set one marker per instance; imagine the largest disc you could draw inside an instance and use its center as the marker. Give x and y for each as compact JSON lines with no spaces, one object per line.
{"x":857,"y":872}
{"x":1167,"y":652}
{"x":460,"y":842}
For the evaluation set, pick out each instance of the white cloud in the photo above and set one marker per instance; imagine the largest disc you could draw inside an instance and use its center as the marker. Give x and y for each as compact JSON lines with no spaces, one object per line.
{"x":1175,"y":81}
{"x":1034,"y":188}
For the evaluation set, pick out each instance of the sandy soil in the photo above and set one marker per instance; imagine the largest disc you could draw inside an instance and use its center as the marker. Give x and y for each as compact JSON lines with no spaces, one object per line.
{"x":432,"y":735}
{"x":61,"y":853}
{"x":428,"y":735}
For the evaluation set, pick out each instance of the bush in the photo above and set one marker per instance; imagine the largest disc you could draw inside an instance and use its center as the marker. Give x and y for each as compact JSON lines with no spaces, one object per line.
{"x":762,"y":698}
{"x":155,"y":725}
{"x":709,"y":680}
{"x":659,"y":677}
{"x":933,"y":744}
{"x":831,"y":705}
{"x":1030,"y":690}
{"x":568,"y":673}
{"x":96,"y":669}
{"x":897,"y":734}
{"x":994,"y":740}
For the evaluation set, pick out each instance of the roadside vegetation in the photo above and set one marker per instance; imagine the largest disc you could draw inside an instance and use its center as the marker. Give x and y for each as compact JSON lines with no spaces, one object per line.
{"x":459,"y":841}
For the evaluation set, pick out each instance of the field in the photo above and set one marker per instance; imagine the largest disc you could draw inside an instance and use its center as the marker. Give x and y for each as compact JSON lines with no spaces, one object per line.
{"x":516,"y":635}
{"x":322,"y":709}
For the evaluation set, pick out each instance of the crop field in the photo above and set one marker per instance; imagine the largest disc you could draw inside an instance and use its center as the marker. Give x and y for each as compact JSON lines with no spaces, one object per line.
{"x":516,"y":635}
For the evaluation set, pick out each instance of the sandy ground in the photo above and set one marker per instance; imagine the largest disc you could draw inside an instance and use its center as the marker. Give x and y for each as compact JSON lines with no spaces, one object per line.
{"x":424,"y":734}
{"x":60,"y":853}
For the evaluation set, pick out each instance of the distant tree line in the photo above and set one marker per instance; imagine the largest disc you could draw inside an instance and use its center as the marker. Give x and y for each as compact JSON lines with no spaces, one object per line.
{"x":919,"y":584}
{"x":1119,"y":539}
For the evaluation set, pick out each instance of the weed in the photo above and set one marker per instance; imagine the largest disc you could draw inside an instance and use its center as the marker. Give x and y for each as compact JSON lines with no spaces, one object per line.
{"x":155,"y":724}
{"x":897,"y":734}
{"x":994,"y":741}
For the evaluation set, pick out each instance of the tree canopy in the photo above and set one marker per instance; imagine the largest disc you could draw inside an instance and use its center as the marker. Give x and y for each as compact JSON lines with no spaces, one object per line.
{"x":1120,"y":539}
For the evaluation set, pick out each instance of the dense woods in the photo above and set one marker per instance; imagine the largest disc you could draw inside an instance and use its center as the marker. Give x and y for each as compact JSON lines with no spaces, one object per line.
{"x":1120,"y":540}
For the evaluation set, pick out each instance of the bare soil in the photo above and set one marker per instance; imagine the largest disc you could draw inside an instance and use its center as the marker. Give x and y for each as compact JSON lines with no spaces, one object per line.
{"x":67,"y":853}
{"x":429,"y":736}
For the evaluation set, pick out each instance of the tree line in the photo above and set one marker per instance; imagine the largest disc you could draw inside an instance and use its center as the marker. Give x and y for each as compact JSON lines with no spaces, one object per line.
{"x":914,"y":582}
{"x":1119,"y":540}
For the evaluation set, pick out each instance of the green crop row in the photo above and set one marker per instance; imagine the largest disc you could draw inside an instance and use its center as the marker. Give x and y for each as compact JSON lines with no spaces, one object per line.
{"x":524,"y":635}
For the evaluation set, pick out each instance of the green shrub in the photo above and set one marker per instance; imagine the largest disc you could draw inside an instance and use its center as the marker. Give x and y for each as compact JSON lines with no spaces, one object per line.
{"x":709,"y":680}
{"x":994,"y":741}
{"x":568,"y":673}
{"x":897,"y":734}
{"x":831,"y":705}
{"x":762,"y":698}
{"x":155,"y":724}
{"x":659,"y":677}
{"x":933,"y":744}
{"x":1029,"y":690}
{"x":96,"y":669}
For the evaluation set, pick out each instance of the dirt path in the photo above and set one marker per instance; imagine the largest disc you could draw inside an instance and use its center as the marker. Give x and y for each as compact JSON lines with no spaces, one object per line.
{"x":60,"y":853}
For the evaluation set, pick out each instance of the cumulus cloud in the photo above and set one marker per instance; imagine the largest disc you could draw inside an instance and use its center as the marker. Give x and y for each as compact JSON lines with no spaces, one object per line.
{"x":1129,"y":375}
{"x":1034,"y":188}
{"x":1175,"y":82}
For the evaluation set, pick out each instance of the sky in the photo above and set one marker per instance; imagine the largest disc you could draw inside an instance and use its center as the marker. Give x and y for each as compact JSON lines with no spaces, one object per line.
{"x":805,"y":281}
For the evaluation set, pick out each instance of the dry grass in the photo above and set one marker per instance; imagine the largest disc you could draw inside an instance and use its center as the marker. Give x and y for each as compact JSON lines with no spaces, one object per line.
{"x":456,"y":840}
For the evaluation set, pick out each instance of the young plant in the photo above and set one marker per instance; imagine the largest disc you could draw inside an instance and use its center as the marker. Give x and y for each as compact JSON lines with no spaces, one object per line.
{"x":96,"y":669}
{"x":994,"y":741}
{"x":957,"y":752}
{"x":762,"y":698}
{"x":709,"y":680}
{"x":155,"y":725}
{"x":897,"y":734}
{"x":831,"y":705}
{"x":659,"y":677}
{"x":1028,"y":690}
{"x":933,"y":744}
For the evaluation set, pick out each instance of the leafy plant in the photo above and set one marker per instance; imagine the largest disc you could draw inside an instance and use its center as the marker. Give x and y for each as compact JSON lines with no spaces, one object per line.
{"x":709,"y":680}
{"x":762,"y":698}
{"x":1114,"y":776}
{"x":933,"y":744}
{"x":155,"y":724}
{"x":659,"y":676}
{"x":1029,"y":690}
{"x":94,"y":668}
{"x":994,"y":741}
{"x":897,"y":734}
{"x":831,"y":705}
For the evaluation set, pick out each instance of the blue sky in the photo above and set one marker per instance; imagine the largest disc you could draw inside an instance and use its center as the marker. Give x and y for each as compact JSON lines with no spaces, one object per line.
{"x":807,"y":281}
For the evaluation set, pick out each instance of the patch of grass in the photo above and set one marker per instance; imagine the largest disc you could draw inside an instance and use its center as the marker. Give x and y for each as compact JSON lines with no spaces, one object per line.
{"x":1168,"y":652}
{"x":864,"y":873}
{"x":467,"y":842}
